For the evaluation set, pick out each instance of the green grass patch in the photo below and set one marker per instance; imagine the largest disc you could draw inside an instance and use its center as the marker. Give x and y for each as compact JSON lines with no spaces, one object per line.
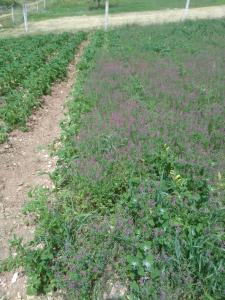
{"x":139,"y":186}
{"x":80,"y":7}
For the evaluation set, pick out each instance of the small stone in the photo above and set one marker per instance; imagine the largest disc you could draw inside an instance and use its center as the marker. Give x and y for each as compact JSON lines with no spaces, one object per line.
{"x":15,"y":277}
{"x":19,"y":297}
{"x":2,"y":150}
{"x":30,"y":297}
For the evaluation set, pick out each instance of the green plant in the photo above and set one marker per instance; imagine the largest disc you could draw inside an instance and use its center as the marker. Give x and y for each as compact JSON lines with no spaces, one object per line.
{"x":139,"y":197}
{"x":34,"y":63}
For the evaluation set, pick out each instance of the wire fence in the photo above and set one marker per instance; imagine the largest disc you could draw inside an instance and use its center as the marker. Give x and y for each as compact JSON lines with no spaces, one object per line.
{"x":17,"y":14}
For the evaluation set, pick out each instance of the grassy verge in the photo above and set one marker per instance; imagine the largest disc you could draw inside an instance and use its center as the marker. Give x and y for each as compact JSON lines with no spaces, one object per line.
{"x":74,"y":8}
{"x":139,"y":187}
{"x":29,"y":66}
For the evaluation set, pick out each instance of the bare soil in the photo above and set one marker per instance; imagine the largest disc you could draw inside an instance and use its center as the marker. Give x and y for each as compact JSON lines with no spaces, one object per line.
{"x":142,"y":18}
{"x":25,"y":162}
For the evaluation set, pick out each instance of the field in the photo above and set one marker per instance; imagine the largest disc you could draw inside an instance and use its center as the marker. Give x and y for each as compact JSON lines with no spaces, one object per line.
{"x":138,"y":202}
{"x":28,"y":67}
{"x":79,"y":7}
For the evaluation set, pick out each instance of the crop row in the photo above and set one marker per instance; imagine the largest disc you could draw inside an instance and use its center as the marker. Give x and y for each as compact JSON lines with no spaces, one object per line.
{"x":12,"y":74}
{"x":27,"y":81}
{"x":16,"y":49}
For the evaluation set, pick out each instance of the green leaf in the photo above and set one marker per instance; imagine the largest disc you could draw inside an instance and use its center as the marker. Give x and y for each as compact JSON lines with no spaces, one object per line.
{"x":134,"y":286}
{"x":141,"y":271}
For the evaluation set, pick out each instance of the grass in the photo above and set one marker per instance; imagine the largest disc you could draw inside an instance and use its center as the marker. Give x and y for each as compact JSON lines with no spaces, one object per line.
{"x":5,"y":2}
{"x":139,"y":187}
{"x":78,"y":7}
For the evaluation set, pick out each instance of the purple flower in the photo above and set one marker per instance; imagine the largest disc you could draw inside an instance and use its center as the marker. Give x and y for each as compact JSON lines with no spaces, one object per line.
{"x":72,"y":285}
{"x":162,"y":295}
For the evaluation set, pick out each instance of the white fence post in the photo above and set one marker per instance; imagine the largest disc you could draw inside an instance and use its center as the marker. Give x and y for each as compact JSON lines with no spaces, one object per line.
{"x":37,"y":6}
{"x":25,"y":17}
{"x":12,"y":12}
{"x":186,"y":9}
{"x":106,"y":14}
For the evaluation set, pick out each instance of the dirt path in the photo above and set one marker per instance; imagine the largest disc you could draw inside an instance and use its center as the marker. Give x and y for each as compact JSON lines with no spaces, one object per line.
{"x":22,"y":161}
{"x":142,"y":18}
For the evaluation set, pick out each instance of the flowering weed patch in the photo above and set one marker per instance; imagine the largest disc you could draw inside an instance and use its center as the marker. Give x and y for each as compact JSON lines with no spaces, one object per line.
{"x":139,"y":196}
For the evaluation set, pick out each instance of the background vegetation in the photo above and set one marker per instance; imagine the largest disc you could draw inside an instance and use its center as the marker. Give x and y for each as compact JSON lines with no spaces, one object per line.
{"x":139,"y":187}
{"x":87,"y":7}
{"x":6,"y":2}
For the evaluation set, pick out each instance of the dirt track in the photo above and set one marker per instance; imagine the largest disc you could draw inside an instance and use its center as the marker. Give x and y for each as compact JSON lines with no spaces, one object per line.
{"x":141,"y":18}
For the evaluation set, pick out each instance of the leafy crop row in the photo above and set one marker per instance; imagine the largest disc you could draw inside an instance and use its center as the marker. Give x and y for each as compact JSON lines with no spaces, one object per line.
{"x":13,"y":74}
{"x":30,"y":76}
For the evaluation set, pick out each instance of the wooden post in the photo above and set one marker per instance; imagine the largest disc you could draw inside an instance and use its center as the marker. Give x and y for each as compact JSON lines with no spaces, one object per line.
{"x":12,"y":12}
{"x":25,"y":17}
{"x":44,"y":4}
{"x":106,"y":14}
{"x":186,"y":9}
